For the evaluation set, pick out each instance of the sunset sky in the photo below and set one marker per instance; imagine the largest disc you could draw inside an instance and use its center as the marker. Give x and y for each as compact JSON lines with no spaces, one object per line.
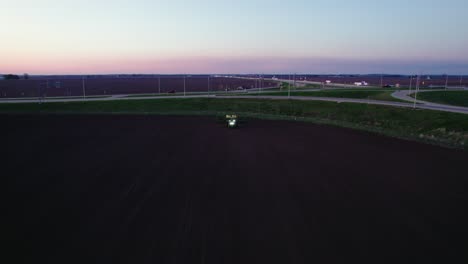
{"x":243,"y":36}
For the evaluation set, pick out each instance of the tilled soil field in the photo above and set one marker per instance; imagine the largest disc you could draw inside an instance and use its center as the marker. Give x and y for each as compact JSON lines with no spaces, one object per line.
{"x":56,"y":86}
{"x":155,"y":189}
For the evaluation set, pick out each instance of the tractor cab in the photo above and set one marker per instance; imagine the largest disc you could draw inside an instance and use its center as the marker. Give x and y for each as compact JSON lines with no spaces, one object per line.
{"x":232,"y":121}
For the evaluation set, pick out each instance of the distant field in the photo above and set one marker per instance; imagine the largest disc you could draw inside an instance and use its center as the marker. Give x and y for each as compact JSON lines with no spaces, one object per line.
{"x":404,"y":81}
{"x":443,"y":128}
{"x":458,"y":98}
{"x":103,"y":86}
{"x":55,"y":98}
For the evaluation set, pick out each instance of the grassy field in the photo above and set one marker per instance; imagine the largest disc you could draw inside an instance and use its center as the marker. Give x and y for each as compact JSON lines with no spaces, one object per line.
{"x":459,"y":98}
{"x":442,"y":128}
{"x":381,"y":95}
{"x":285,"y":86}
{"x":162,"y":94}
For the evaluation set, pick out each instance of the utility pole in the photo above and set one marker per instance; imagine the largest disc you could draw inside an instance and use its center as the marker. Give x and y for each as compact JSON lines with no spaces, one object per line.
{"x":39,"y":92}
{"x":461,"y":80}
{"x":411,"y":83}
{"x":261,"y":83}
{"x":446,"y":81}
{"x":159,"y":84}
{"x":417,"y":89}
{"x":84,"y":87}
{"x":209,"y":84}
{"x":184,"y":84}
{"x":289,"y":90}
{"x":47,"y":89}
{"x":259,"y":79}
{"x":381,"y":80}
{"x":294,"y":86}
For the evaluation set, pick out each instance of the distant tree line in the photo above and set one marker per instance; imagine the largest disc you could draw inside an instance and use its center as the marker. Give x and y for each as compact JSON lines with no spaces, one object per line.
{"x":15,"y":77}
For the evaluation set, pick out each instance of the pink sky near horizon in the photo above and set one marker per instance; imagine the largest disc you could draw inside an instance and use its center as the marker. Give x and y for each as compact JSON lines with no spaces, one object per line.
{"x":216,"y":36}
{"x":213,"y":64}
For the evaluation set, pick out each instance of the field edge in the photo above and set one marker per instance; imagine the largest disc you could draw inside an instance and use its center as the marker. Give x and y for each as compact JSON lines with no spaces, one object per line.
{"x":249,"y":115}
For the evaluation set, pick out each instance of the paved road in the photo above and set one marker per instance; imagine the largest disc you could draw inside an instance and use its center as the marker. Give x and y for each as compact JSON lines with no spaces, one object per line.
{"x":422,"y":105}
{"x":404,"y":95}
{"x":328,"y":86}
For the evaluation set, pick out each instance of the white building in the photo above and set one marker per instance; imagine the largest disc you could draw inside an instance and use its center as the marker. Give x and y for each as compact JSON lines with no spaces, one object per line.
{"x":327,"y":81}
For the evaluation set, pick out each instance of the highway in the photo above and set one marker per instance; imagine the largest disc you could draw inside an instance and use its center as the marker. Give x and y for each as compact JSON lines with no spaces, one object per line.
{"x":405,"y":95}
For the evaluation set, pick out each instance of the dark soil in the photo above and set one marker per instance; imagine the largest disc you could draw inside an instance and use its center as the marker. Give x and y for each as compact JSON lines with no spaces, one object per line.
{"x":108,"y":86}
{"x":152,"y":189}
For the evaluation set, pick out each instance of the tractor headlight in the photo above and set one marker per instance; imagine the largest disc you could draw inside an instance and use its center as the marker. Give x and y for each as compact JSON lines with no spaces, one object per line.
{"x":232,"y":123}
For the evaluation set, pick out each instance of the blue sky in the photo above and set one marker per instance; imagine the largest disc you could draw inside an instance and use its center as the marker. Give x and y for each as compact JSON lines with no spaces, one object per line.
{"x":332,"y":36}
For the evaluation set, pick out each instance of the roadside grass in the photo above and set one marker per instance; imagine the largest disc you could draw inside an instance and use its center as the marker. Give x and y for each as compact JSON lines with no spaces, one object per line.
{"x":440,"y":128}
{"x":381,"y":95}
{"x":150,"y":95}
{"x":163,"y":94}
{"x":387,"y":96}
{"x":457,"y":98}
{"x":285,"y":86}
{"x":234,"y":92}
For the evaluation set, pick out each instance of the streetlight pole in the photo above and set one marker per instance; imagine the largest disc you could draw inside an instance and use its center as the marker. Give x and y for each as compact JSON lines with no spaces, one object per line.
{"x":184,"y":84}
{"x":84,"y":87}
{"x":411,"y":83}
{"x":159,"y":84}
{"x":294,"y":81}
{"x":47,"y":89}
{"x":261,"y":83}
{"x":446,"y":81}
{"x":417,"y":89}
{"x":289,"y":89}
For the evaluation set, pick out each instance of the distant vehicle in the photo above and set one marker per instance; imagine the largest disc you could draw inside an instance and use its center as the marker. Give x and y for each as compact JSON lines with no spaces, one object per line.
{"x":387,"y":86}
{"x":363,"y":83}
{"x":171,"y":92}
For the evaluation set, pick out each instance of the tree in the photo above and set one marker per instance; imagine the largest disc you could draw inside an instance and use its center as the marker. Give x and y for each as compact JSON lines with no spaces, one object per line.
{"x":26,"y":76}
{"x":11,"y":77}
